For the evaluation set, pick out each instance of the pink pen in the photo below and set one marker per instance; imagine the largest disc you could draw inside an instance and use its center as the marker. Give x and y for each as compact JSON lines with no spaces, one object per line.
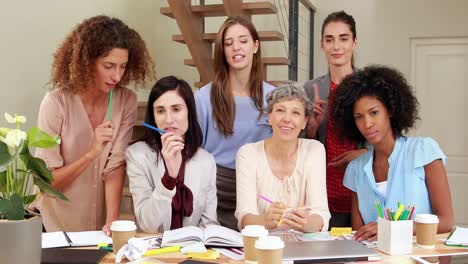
{"x":266,"y":199}
{"x":385,"y":214}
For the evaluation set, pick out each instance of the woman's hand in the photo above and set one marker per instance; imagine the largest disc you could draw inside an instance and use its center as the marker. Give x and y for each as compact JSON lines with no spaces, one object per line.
{"x":172,"y":146}
{"x":102,"y":135}
{"x":318,"y":113}
{"x":106,"y":229}
{"x":368,"y":232}
{"x":273,"y":215}
{"x":342,"y":160}
{"x":296,"y":218}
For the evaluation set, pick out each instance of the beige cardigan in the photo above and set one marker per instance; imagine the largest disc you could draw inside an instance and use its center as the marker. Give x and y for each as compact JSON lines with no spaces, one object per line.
{"x":152,"y":201}
{"x":305,"y":187}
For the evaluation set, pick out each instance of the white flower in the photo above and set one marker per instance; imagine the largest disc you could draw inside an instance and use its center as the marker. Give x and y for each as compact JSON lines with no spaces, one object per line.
{"x":16,"y":119}
{"x":14,"y":138}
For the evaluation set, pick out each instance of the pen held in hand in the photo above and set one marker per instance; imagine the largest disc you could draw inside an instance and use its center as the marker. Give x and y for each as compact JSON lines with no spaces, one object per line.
{"x":153,"y":128}
{"x":266,"y":199}
{"x":109,"y":106}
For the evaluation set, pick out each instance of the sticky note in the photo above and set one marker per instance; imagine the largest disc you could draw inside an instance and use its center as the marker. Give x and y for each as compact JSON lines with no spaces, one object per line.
{"x":210,"y":254}
{"x":339,"y":231}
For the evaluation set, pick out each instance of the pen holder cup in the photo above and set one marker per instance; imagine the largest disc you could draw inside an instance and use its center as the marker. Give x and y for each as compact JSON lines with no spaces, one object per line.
{"x":395,"y":237}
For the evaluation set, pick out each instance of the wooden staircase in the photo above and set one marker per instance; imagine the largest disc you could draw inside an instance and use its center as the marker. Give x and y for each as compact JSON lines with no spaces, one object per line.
{"x":190,"y":19}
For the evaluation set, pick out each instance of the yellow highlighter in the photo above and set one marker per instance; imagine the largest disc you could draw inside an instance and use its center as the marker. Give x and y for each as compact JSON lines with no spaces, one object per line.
{"x":162,"y":250}
{"x":398,"y":213}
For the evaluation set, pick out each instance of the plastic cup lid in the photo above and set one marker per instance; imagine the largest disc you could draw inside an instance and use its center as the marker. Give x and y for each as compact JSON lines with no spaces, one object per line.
{"x":254,"y":231}
{"x":123,"y":225}
{"x":426,"y":219}
{"x":269,"y":243}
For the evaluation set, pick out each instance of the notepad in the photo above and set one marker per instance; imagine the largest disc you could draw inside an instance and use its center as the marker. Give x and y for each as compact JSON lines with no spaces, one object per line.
{"x":212,"y":235}
{"x":459,"y":237}
{"x":74,"y":239}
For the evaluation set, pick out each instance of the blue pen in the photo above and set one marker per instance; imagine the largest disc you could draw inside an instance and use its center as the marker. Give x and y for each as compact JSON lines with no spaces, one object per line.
{"x":154,"y":128}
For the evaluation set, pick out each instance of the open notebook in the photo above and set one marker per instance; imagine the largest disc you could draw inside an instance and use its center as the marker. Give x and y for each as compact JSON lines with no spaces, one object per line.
{"x":212,"y":235}
{"x":74,"y":239}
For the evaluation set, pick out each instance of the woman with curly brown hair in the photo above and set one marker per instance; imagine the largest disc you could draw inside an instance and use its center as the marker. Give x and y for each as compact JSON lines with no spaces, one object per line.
{"x":94,"y":113}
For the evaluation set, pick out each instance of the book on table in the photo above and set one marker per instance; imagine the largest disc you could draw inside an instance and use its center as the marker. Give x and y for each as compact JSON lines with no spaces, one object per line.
{"x":458,"y":237}
{"x":74,"y":239}
{"x":211,"y":235}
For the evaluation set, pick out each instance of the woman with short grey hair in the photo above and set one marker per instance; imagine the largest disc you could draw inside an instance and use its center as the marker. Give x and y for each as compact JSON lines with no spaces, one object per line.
{"x":281,"y":180}
{"x":289,"y":90}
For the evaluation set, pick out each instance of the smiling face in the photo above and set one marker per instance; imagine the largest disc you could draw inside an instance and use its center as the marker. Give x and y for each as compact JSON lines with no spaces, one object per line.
{"x":338,"y":43}
{"x":287,"y":119}
{"x":171,"y":113}
{"x":110,"y":69}
{"x":373,"y":120}
{"x":239,"y":47}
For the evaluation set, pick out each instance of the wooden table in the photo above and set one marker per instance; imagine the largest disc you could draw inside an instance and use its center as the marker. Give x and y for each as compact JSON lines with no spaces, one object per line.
{"x":172,"y":258}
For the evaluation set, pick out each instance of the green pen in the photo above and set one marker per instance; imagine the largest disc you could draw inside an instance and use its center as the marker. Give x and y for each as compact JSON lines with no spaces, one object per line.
{"x":379,"y":211}
{"x":108,"y":248}
{"x":109,"y":106}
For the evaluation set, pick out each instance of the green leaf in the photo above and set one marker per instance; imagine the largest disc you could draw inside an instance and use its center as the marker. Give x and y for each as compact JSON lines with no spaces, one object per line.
{"x":12,"y":208}
{"x":3,"y":180}
{"x":4,"y":131}
{"x":46,"y":188}
{"x":5,"y":157}
{"x":36,"y":165}
{"x":29,"y":199}
{"x":41,"y":139}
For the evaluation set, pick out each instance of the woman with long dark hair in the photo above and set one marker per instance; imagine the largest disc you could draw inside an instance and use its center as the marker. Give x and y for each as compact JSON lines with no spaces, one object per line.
{"x":172,"y":180}
{"x":338,"y":43}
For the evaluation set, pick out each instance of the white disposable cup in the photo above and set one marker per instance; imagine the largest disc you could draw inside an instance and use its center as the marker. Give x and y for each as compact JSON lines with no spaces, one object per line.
{"x":122,"y":231}
{"x":426,"y":230}
{"x":269,"y":250}
{"x":250,"y":234}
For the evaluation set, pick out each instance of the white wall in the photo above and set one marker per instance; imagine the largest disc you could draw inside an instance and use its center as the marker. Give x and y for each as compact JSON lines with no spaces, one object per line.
{"x":32,"y":30}
{"x":384,"y":28}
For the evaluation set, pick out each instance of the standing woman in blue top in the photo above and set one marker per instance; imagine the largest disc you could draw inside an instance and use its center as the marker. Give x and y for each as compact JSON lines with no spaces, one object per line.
{"x":230,"y":109}
{"x":377,"y":106}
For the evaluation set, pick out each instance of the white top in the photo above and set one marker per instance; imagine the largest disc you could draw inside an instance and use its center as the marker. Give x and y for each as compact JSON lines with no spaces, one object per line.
{"x":306,"y":186}
{"x":152,"y":201}
{"x":382,"y":187}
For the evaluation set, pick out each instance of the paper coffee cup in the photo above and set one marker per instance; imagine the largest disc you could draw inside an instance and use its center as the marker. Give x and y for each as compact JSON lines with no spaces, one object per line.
{"x":250,"y":234}
{"x":122,"y":231}
{"x":269,"y":250}
{"x":426,"y":230}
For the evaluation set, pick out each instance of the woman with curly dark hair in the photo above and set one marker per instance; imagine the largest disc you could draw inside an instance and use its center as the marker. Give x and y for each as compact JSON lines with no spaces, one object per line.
{"x":377,"y":105}
{"x":94,"y":113}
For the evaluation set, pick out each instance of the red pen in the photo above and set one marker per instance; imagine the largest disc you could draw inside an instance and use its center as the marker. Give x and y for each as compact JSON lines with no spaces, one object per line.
{"x":411,"y":214}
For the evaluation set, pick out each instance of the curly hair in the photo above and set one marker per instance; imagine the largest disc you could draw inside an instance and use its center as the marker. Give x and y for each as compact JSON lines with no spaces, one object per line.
{"x":388,"y":86}
{"x":74,"y":61}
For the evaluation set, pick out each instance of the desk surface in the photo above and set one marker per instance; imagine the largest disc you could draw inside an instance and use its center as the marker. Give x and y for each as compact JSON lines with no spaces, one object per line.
{"x":172,"y":258}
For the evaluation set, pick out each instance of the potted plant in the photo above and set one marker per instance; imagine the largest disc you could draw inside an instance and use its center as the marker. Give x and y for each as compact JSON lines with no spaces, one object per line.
{"x":21,"y":229}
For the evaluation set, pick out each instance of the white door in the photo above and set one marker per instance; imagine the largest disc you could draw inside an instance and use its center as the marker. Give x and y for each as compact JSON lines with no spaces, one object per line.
{"x":439,"y":73}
